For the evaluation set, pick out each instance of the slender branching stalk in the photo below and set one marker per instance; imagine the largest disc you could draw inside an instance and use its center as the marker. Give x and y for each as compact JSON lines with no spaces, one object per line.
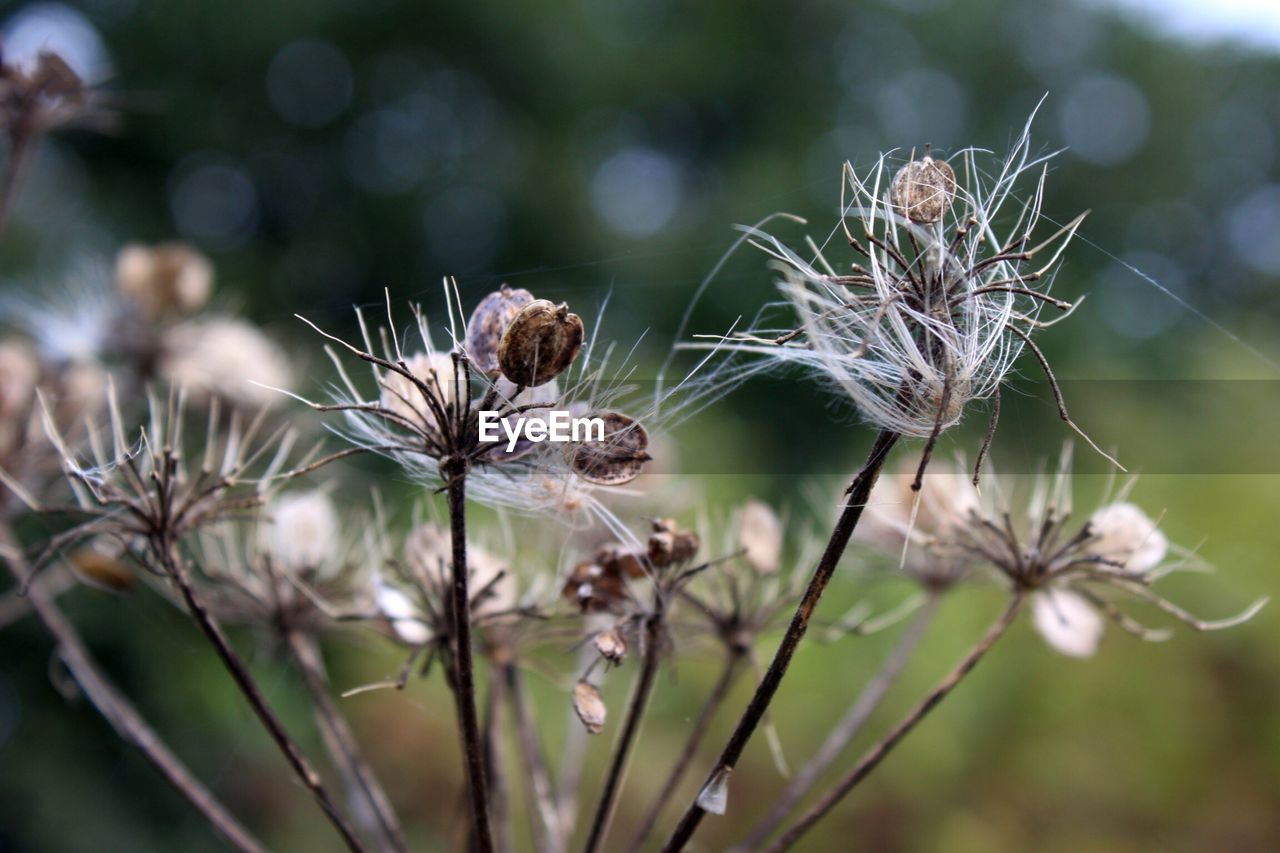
{"x":495,"y":767}
{"x":344,"y":749}
{"x":464,"y":692}
{"x":544,"y":815}
{"x":856,"y":499}
{"x":636,"y":707}
{"x":728,"y":675}
{"x":116,"y":709}
{"x":165,"y":552}
{"x":847,"y":729}
{"x":877,"y":753}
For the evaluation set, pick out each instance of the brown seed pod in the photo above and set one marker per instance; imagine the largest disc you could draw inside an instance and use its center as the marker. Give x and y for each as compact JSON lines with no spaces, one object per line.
{"x":621,"y":560}
{"x":594,"y":587}
{"x":540,"y":343}
{"x":101,"y":570}
{"x":662,"y":546}
{"x":924,"y":189}
{"x":489,"y":323}
{"x":616,"y":460}
{"x":611,"y":645}
{"x":589,"y":706}
{"x":685,"y":546}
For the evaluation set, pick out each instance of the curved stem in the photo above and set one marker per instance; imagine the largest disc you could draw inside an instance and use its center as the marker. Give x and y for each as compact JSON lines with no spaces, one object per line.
{"x":464,"y":692}
{"x":730,"y":672}
{"x":630,"y":729}
{"x":117,"y":710}
{"x":856,"y":499}
{"x":845,"y":730}
{"x":343,"y":747}
{"x":165,"y":552}
{"x":872,"y":758}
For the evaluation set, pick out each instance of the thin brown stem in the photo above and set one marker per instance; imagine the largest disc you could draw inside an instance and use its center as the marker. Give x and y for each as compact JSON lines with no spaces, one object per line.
{"x":165,"y":552}
{"x":856,"y":499}
{"x":344,"y":749}
{"x":107,"y":699}
{"x":728,"y":674}
{"x":877,"y":753}
{"x":495,"y":767}
{"x":543,"y":812}
{"x":847,"y":729}
{"x":636,"y":708}
{"x":464,"y":692}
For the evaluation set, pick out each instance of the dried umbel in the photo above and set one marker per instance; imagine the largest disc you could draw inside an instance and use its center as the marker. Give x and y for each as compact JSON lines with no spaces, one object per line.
{"x":540,"y":343}
{"x":1075,"y":574}
{"x":618,"y":458}
{"x":488,"y":325}
{"x":923,"y":190}
{"x":299,"y":532}
{"x":225,"y":358}
{"x":169,"y":278}
{"x":404,"y":396}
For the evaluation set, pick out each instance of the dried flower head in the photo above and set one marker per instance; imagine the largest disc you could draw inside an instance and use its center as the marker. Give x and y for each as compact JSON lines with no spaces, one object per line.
{"x":168,"y":278}
{"x":940,"y":302}
{"x":1077,"y":575}
{"x":226,"y":358}
{"x":760,"y":536}
{"x":300,"y":531}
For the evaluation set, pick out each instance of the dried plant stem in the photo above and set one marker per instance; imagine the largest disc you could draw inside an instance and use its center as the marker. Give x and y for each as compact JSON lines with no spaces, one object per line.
{"x":543,"y":812}
{"x":344,"y":749}
{"x":495,"y":766}
{"x":464,"y":692}
{"x":845,"y":730}
{"x":636,"y":708}
{"x":728,"y":674}
{"x":166,"y":552}
{"x":573,"y":753}
{"x":117,"y":710}
{"x":877,"y":753}
{"x":856,"y":499}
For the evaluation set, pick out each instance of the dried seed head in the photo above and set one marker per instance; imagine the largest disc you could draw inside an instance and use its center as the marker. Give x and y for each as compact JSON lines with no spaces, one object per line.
{"x":98,"y":566}
{"x":589,"y":706}
{"x":668,"y":544}
{"x":611,"y":645}
{"x":489,"y":323}
{"x":227,"y":358}
{"x":595,"y":587}
{"x":403,"y":616}
{"x":1125,"y":535}
{"x":164,"y":279}
{"x":540,"y":343}
{"x":616,"y":460}
{"x":300,"y":531}
{"x":760,"y":536}
{"x":621,"y":560}
{"x":924,"y":189}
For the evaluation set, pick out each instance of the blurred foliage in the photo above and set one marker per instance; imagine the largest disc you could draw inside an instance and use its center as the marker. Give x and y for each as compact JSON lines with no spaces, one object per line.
{"x":323,"y":151}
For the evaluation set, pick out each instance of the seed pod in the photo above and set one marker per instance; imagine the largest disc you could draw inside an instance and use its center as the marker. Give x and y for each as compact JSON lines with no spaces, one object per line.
{"x":611,"y":645}
{"x":540,"y":343}
{"x":924,"y":189}
{"x":489,"y":322}
{"x":760,"y":536}
{"x":620,"y":560}
{"x":100,"y":569}
{"x":589,"y":706}
{"x":662,"y":547}
{"x":594,"y":587}
{"x":617,"y":459}
{"x":685,"y":546}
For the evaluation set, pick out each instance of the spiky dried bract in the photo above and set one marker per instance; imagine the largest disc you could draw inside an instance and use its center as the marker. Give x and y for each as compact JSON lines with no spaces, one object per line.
{"x":589,"y":706}
{"x":540,"y":343}
{"x":488,"y":324}
{"x":618,"y":458}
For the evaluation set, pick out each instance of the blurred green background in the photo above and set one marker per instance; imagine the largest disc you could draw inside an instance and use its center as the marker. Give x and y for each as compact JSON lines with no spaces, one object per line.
{"x":321,"y":151}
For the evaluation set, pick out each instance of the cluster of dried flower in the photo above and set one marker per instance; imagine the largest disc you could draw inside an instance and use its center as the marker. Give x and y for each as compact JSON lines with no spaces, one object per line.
{"x":153,"y":427}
